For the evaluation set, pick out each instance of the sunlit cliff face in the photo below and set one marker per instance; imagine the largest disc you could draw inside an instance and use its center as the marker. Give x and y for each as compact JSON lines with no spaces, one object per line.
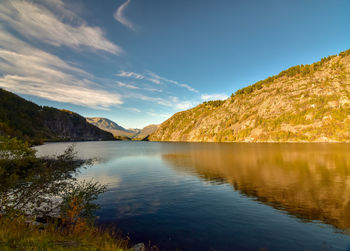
{"x":309,"y":181}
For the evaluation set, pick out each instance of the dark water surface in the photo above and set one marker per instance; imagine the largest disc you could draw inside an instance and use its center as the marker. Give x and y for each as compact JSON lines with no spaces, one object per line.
{"x":205,"y":196}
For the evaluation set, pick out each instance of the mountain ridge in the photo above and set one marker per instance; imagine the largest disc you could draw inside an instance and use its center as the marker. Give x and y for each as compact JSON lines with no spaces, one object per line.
{"x":28,"y":121}
{"x":305,"y":103}
{"x":119,"y":131}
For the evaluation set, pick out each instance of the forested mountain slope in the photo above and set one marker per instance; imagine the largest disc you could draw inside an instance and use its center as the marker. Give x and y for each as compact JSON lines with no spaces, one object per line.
{"x":29,"y":121}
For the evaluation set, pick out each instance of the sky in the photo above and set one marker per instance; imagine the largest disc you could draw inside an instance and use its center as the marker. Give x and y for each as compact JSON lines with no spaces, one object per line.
{"x":137,"y":62}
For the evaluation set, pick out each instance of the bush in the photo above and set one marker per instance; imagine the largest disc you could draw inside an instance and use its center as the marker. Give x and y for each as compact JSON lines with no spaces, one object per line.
{"x":33,"y":187}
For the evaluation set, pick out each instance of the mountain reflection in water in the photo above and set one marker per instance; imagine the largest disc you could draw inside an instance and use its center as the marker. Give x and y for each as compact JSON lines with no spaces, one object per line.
{"x":310,"y":181}
{"x":219,"y":196}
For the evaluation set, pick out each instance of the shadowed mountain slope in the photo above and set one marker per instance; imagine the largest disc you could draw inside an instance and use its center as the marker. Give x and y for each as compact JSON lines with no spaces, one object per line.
{"x":29,"y":121}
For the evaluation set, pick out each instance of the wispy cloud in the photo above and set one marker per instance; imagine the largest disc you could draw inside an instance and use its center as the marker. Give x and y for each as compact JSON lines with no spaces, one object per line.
{"x":133,"y":109}
{"x":155,"y":78}
{"x":134,"y":75}
{"x":27,"y":70}
{"x":133,"y":86}
{"x":170,"y":102}
{"x":159,"y":115}
{"x":208,"y":97}
{"x":158,"y":100}
{"x":36,"y":21}
{"x":184,"y":105}
{"x":121,"y":84}
{"x":126,"y":74}
{"x":159,"y":78}
{"x":119,"y":16}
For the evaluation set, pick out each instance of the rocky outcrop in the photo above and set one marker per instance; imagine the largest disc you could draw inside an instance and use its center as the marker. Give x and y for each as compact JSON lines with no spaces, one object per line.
{"x":71,"y":126}
{"x":306,"y":103}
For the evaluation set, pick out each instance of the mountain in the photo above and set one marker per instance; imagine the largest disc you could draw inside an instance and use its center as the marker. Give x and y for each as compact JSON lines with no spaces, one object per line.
{"x":112,"y":127}
{"x":29,"y":121}
{"x":119,"y":131}
{"x":143,"y":134}
{"x":105,"y":123}
{"x":294,"y":178}
{"x":306,"y":103}
{"x":147,"y":130}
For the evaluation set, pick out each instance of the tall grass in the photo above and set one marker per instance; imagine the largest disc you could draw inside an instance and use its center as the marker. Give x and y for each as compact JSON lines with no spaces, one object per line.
{"x":19,"y":234}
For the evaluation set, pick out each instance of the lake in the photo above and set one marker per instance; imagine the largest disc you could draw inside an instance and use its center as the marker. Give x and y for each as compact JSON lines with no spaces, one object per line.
{"x":223,"y":196}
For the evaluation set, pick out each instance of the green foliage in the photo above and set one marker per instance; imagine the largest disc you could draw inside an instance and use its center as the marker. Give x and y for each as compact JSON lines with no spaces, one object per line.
{"x":302,"y":70}
{"x":20,"y":118}
{"x":17,"y":234}
{"x":214,"y":103}
{"x":38,"y":187}
{"x":344,"y":53}
{"x":28,"y":183}
{"x":84,"y":193}
{"x":243,"y":133}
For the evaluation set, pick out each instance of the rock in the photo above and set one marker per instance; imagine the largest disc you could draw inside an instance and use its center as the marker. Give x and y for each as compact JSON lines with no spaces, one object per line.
{"x":138,"y":247}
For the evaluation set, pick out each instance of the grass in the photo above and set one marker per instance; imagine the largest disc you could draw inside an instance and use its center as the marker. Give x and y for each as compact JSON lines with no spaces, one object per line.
{"x":17,"y":234}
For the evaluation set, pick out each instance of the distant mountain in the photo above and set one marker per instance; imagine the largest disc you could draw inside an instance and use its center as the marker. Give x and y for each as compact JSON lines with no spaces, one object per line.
{"x":110,"y":126}
{"x":119,"y":131}
{"x":105,"y":123}
{"x":29,"y":121}
{"x":306,"y":103}
{"x":147,"y":130}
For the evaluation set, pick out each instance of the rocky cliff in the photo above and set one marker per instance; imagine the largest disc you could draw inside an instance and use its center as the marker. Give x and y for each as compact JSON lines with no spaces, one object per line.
{"x":26,"y":120}
{"x":306,"y":103}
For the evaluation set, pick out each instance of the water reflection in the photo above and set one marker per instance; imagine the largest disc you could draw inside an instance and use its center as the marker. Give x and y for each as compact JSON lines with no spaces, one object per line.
{"x":204,"y":196}
{"x":310,"y":181}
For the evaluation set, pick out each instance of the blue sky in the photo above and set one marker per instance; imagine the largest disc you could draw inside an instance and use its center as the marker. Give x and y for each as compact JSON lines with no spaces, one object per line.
{"x":137,"y":62}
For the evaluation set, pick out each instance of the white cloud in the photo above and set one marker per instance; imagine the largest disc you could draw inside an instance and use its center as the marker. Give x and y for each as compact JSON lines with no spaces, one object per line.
{"x":173,"y":102}
{"x":159,"y":115}
{"x":78,"y":95}
{"x":152,"y":89}
{"x":153,"y":80}
{"x":207,"y":97}
{"x":132,"y":86}
{"x":130,"y":74}
{"x":126,"y":74}
{"x":121,"y":84}
{"x":158,"y":100}
{"x":184,"y":105}
{"x":133,"y":109}
{"x":119,"y":16}
{"x":27,"y":70}
{"x":38,"y":22}
{"x":159,"y":78}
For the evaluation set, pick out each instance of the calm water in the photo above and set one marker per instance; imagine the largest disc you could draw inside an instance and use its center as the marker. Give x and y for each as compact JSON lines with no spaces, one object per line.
{"x":204,"y":196}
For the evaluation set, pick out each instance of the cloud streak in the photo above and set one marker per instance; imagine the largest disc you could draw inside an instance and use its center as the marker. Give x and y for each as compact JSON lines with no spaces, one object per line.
{"x":159,"y":78}
{"x":119,"y":16}
{"x":27,"y":70}
{"x":35,"y":21}
{"x":121,"y":84}
{"x":126,"y":74}
{"x":156,"y":79}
